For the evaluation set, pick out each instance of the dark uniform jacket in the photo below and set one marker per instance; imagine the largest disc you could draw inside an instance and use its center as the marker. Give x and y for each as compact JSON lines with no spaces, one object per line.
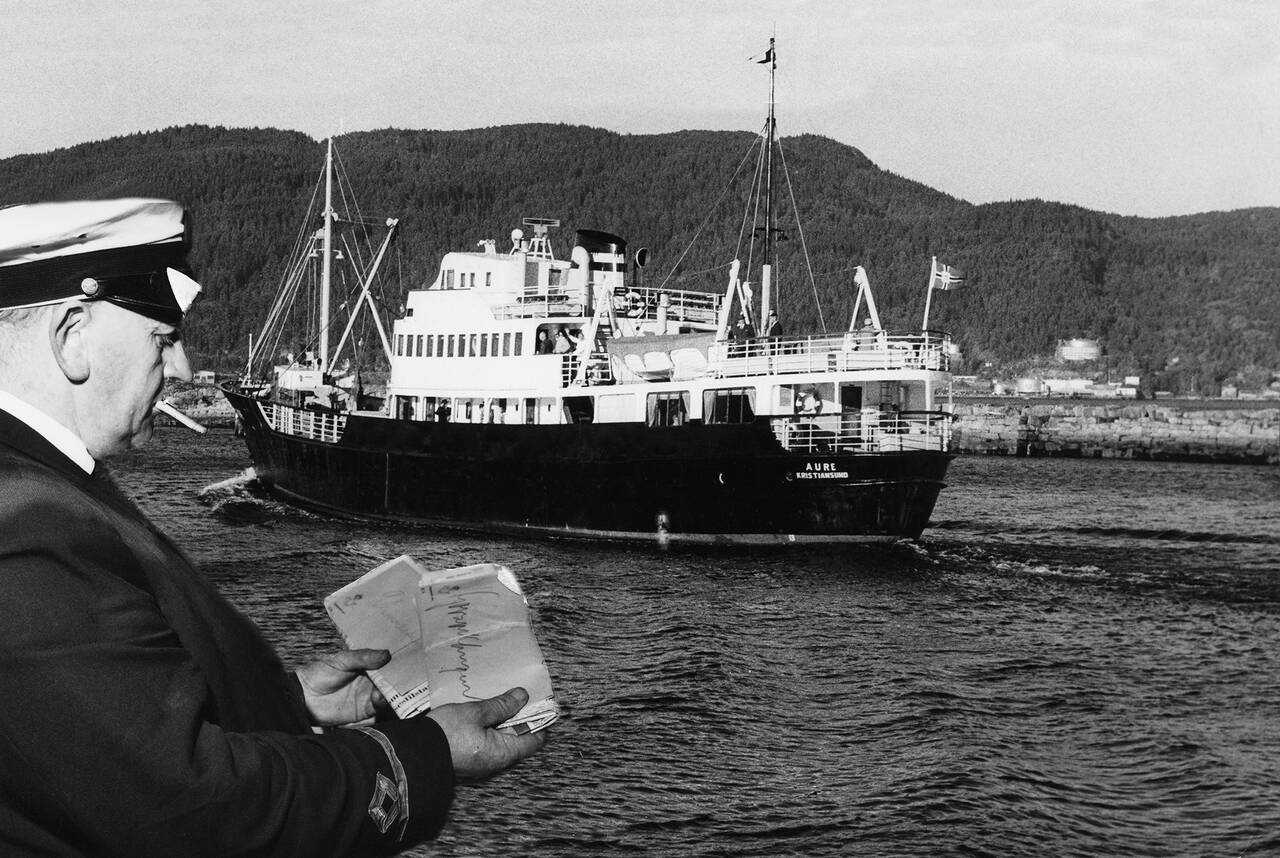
{"x":140,"y":714}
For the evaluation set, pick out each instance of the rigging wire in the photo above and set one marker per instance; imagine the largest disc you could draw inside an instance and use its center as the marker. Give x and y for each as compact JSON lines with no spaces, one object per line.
{"x":804,"y":248}
{"x":751,"y":208}
{"x":707,"y":218}
{"x":273,"y":328}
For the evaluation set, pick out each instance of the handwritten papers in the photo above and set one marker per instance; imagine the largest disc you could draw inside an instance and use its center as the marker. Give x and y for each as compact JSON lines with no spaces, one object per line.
{"x":454,"y":635}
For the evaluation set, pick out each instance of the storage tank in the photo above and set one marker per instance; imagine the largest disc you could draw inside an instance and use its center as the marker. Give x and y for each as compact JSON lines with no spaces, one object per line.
{"x":1027,"y":386}
{"x":1078,"y":350}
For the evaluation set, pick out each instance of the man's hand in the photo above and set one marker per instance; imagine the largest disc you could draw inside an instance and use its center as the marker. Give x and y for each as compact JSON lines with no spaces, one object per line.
{"x":337,"y":689}
{"x":478,"y":750}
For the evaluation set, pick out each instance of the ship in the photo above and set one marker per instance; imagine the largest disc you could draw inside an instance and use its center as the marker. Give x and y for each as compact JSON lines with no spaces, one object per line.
{"x":570,"y":397}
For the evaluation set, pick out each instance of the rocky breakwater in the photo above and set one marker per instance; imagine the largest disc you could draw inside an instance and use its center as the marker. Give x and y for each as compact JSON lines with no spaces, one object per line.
{"x":204,"y":403}
{"x":1190,"y":431}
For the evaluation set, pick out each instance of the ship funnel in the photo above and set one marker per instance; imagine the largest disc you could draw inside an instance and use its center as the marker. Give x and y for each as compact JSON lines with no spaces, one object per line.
{"x":608,"y":258}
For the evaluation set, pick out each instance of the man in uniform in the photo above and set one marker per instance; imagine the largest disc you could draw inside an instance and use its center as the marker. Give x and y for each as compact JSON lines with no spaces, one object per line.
{"x":140,"y":714}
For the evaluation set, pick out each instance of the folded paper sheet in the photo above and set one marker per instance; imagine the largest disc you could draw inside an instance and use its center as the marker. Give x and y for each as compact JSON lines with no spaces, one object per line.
{"x":454,"y":635}
{"x":477,"y":638}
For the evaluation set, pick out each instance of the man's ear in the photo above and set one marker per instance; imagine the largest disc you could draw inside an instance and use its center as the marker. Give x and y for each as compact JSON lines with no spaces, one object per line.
{"x":68,"y":338}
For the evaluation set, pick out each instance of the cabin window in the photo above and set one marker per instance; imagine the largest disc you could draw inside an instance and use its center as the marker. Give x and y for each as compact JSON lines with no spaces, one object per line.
{"x":451,"y":344}
{"x":493,"y":348}
{"x":519,"y":344}
{"x":440,"y":345}
{"x":579,"y":409}
{"x":419,"y":345}
{"x":448,"y":278}
{"x":531,"y":411}
{"x":474,"y":348}
{"x":431,"y":346}
{"x":488,"y":279}
{"x":729,"y":405}
{"x":615,"y":408}
{"x":668,"y":409}
{"x":405,"y":407}
{"x":473,"y":280}
{"x":506,"y":344}
{"x":484,"y":345}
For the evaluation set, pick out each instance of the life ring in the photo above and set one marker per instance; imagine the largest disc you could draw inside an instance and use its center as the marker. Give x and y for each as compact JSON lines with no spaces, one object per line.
{"x":635,"y":305}
{"x":801,"y":396}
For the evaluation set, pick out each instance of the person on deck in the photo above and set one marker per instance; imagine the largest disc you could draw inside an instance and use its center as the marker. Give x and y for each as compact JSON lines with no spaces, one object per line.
{"x":772,"y":327}
{"x":140,"y":713}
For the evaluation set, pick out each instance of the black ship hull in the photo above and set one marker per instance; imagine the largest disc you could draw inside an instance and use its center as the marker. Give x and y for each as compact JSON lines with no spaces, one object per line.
{"x":729,"y":484}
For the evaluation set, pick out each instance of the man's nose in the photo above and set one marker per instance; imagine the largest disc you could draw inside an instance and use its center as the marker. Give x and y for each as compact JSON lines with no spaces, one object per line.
{"x":176,"y":364}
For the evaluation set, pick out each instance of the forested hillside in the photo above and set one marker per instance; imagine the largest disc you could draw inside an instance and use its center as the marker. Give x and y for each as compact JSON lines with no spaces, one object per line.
{"x":1193,"y":299}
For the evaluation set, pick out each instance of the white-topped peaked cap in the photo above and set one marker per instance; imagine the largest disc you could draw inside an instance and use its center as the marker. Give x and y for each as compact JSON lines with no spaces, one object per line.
{"x":131,"y":252}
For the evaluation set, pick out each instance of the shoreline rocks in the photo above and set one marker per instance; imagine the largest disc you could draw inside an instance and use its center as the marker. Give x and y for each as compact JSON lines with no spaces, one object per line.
{"x":1141,"y":430}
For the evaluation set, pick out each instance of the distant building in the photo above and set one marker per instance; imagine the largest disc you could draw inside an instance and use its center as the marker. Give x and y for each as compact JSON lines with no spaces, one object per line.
{"x":1079,"y":350}
{"x":1067,"y":386}
{"x":204,"y":376}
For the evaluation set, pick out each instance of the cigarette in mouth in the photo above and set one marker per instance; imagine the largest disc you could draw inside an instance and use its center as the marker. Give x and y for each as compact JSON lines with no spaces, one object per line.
{"x":168,"y":409}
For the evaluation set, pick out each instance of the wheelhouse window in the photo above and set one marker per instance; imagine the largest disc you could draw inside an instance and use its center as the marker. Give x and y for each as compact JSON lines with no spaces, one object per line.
{"x":448,"y":278}
{"x":729,"y":405}
{"x":399,"y":345}
{"x":668,"y":409}
{"x":451,"y":343}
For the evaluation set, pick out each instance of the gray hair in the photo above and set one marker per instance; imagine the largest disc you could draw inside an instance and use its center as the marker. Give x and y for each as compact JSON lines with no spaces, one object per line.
{"x":11,"y":324}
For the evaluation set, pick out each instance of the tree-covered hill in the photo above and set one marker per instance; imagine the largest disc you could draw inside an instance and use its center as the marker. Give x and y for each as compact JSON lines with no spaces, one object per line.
{"x":1196,"y":298}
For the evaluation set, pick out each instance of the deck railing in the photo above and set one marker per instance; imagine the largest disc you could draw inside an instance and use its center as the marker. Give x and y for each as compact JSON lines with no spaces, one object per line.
{"x":864,"y":431}
{"x":684,"y":305}
{"x":555,"y":302}
{"x":326,"y":426}
{"x":853,"y":351}
{"x":632,"y":302}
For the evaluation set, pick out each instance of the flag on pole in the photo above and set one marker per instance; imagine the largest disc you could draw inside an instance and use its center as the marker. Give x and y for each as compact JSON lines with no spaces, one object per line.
{"x":946,"y":277}
{"x":768,"y":58}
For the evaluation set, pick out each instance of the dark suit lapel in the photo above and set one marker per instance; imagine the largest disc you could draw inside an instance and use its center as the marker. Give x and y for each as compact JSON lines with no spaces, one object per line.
{"x":241,"y":669}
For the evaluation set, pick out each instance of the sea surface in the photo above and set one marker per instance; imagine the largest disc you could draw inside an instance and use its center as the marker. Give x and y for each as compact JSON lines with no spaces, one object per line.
{"x":1080,"y":657}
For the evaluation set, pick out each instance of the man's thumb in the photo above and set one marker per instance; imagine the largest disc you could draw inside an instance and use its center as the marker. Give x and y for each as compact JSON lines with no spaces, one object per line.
{"x":495,"y":710}
{"x":360,"y":659}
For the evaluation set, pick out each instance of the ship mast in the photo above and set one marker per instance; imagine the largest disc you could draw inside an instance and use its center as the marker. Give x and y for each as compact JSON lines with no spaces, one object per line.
{"x":766,"y":270}
{"x":326,"y":268}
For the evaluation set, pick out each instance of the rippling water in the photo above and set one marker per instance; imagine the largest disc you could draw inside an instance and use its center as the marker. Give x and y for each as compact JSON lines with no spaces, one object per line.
{"x":1079,"y":658}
